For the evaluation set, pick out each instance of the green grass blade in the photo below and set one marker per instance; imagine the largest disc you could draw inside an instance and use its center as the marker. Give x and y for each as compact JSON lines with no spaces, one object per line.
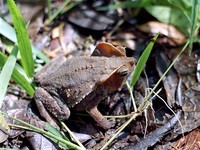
{"x":8,"y":46}
{"x":22,"y":38}
{"x":49,"y":8}
{"x":142,"y":61}
{"x":7,"y":72}
{"x":193,"y":24}
{"x":57,"y":133}
{"x":70,"y":6}
{"x":41,"y":131}
{"x":66,"y":6}
{"x":7,"y":31}
{"x":57,"y":12}
{"x":18,"y":75}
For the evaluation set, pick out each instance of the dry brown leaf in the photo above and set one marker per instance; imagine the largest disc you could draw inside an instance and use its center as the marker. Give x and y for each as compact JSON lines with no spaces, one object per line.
{"x":189,"y":142}
{"x":170,"y":31}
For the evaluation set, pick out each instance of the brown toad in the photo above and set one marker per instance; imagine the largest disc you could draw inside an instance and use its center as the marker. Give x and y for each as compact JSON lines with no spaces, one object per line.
{"x":81,"y":83}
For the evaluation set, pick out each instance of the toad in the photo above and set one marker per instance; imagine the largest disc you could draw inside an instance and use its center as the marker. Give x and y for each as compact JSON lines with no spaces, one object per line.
{"x":80,"y":83}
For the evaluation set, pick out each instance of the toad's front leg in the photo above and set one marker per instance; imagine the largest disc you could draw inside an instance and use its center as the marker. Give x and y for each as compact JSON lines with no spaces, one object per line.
{"x":48,"y":106}
{"x":99,"y":118}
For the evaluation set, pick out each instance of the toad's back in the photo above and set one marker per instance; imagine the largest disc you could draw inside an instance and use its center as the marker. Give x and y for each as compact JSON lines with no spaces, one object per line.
{"x":78,"y":77}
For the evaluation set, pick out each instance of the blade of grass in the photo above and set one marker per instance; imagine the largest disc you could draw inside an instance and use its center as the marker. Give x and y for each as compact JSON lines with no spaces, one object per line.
{"x":142,"y":106}
{"x":22,"y":38}
{"x":72,"y":135}
{"x":8,"y":46}
{"x":125,"y":4}
{"x":54,"y":15}
{"x":38,"y":130}
{"x":7,"y":72}
{"x":70,"y":6}
{"x":139,"y":67}
{"x":63,"y":9}
{"x":142,"y":61}
{"x":193,"y":24}
{"x":146,"y":99}
{"x":7,"y":31}
{"x":49,"y":8}
{"x":57,"y":133}
{"x":131,"y":94}
{"x":18,"y":75}
{"x":120,"y":129}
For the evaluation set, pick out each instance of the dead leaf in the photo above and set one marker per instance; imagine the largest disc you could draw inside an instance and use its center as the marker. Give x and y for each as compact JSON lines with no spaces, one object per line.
{"x":188,"y":142}
{"x":170,"y":31}
{"x":4,"y":129}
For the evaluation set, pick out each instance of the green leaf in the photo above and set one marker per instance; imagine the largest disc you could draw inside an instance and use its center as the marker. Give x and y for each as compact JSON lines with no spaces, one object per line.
{"x":7,"y":72}
{"x":168,"y":11}
{"x":183,"y":5}
{"x":22,"y":38}
{"x":142,"y":61}
{"x":170,"y":16}
{"x":18,"y":75}
{"x":7,"y":31}
{"x":126,"y":4}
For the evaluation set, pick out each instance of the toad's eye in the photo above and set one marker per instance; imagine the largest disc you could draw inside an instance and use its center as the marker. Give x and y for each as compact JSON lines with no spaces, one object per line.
{"x":123,"y":71}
